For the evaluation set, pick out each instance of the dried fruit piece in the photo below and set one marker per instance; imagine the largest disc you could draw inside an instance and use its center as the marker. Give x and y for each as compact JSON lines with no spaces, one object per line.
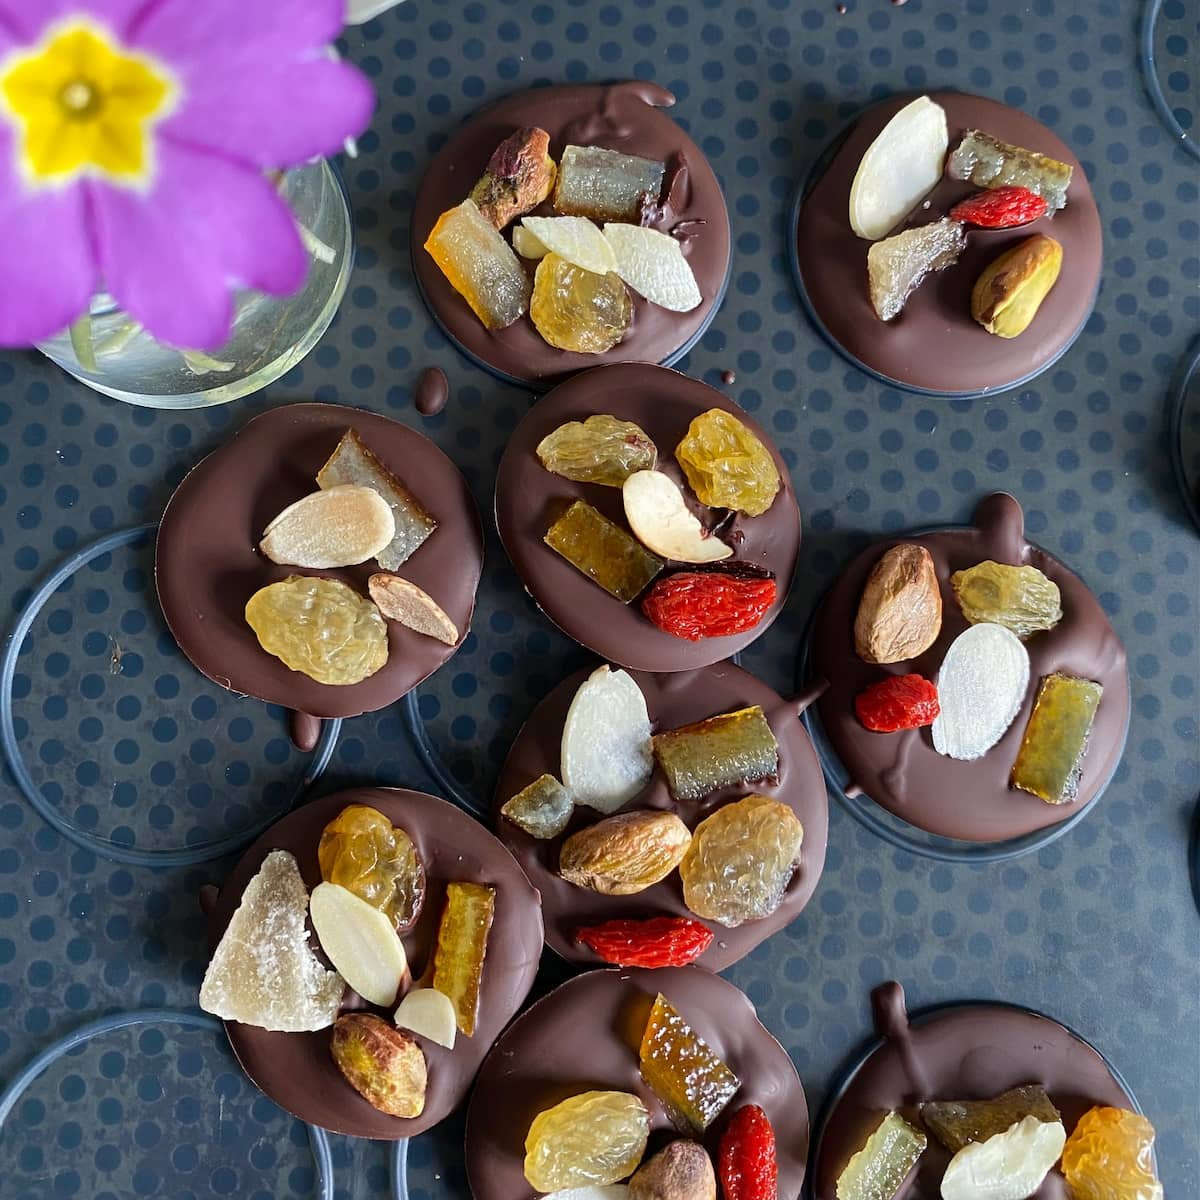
{"x":319,"y":627}
{"x":1019,"y":598}
{"x":605,"y":184}
{"x":1009,"y":292}
{"x":427,"y":1012}
{"x":652,"y":263}
{"x":340,"y":527}
{"x":602,"y":449}
{"x":603,"y":551}
{"x":625,"y":854}
{"x":900,"y":614}
{"x":898,"y":265}
{"x":1050,"y":759}
{"x":542,"y":808}
{"x":747,"y":1156}
{"x":578,"y":310}
{"x":654,"y":942}
{"x":897,"y":702}
{"x":461,"y":950}
{"x":701,"y":604}
{"x":726,"y":465}
{"x":413,"y":607}
{"x":681,"y":1170}
{"x":262,"y":971}
{"x":575,"y":239}
{"x":362,"y":851}
{"x":877,"y":1170}
{"x":595,"y":1137}
{"x":988,"y":162}
{"x":1001,"y":208}
{"x":957,"y":1123}
{"x":352,"y":462}
{"x":1109,"y":1156}
{"x":900,"y":167}
{"x":731,"y":748}
{"x":981,"y":688}
{"x":741,"y":860}
{"x":692,"y":1082}
{"x":658,"y":514}
{"x":480,"y":265}
{"x":361,"y":942}
{"x":518,"y":177}
{"x":526,"y":245}
{"x":386,"y":1067}
{"x":1007,"y":1166}
{"x":614,"y":1191}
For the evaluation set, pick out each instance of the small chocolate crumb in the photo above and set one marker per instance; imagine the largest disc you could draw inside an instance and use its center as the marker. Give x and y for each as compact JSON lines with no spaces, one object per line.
{"x":897,"y":3}
{"x":842,"y":10}
{"x":728,"y":377}
{"x":433,"y":391}
{"x":305,"y":731}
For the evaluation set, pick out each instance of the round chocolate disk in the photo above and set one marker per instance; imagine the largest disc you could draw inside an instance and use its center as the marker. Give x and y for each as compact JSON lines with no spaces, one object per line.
{"x":934,"y":345}
{"x":970,"y":800}
{"x":529,"y":498}
{"x":619,"y":116}
{"x":585,"y":1036}
{"x":671,"y":701}
{"x":296,"y":1069}
{"x":208,"y":565}
{"x":957,"y":1052}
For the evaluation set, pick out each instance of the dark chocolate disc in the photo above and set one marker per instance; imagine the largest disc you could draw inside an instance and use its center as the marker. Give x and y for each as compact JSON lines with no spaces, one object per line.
{"x":295,"y":1069}
{"x":934,"y":345}
{"x":671,"y":700}
{"x":620,"y":116}
{"x":529,"y":498}
{"x":958,"y":1052}
{"x":208,"y":564}
{"x":585,"y":1036}
{"x":970,"y":800}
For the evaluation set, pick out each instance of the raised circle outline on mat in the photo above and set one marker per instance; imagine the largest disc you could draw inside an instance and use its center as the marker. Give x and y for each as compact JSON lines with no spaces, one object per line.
{"x":845,"y":1074}
{"x":433,"y":762}
{"x":874,"y":817}
{"x":399,"y":1164}
{"x":130,"y":856}
{"x":1166,"y":114}
{"x":1194,"y":854}
{"x":1176,"y":399}
{"x":318,"y":1139}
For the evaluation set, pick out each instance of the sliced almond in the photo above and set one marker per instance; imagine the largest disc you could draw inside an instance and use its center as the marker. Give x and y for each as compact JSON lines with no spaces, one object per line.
{"x":339,"y":527}
{"x":360,"y":941}
{"x":427,"y":1012}
{"x":574,"y":238}
{"x":414,"y":608}
{"x":527,"y":244}
{"x":659,"y":515}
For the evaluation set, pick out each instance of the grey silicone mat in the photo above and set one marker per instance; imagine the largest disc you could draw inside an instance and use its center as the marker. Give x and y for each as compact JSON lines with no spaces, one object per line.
{"x":1099,"y":929}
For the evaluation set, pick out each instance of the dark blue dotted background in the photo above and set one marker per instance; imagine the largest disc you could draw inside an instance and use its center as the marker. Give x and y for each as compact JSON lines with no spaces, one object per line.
{"x":1099,"y":928}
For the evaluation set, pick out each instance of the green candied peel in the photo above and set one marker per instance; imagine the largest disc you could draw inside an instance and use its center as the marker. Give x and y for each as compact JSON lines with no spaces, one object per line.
{"x":877,"y":1170}
{"x":603,"y":551}
{"x":542,"y":809}
{"x":732,"y":748}
{"x":1050,"y":760}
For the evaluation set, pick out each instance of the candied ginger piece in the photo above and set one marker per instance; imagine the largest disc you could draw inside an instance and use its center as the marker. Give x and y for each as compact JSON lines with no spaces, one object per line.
{"x":335,"y":527}
{"x":601,"y":449}
{"x":877,"y":1170}
{"x":898,"y":265}
{"x":988,"y":162}
{"x":575,"y":239}
{"x":480,"y":265}
{"x":957,"y":1123}
{"x":542,"y":809}
{"x":741,"y":860}
{"x":692,"y":1082}
{"x":732,"y":748}
{"x":352,"y":462}
{"x":726,"y":465}
{"x":578,"y":310}
{"x":263,"y":971}
{"x":1022,"y":599}
{"x":1007,"y":1166}
{"x":461,"y":948}
{"x":606,"y":755}
{"x":603,"y":551}
{"x":592,"y":1138}
{"x":518,"y":177}
{"x":652,"y":263}
{"x":605,"y":184}
{"x":320,"y":627}
{"x":1110,"y":1156}
{"x":1050,"y":760}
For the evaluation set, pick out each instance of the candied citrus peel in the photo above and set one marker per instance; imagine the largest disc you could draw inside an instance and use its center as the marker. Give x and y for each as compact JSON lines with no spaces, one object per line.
{"x":461,"y":948}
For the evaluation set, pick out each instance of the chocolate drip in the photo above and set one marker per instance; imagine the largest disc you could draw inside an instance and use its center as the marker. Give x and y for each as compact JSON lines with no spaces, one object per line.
{"x":891,"y":1023}
{"x":304,"y":730}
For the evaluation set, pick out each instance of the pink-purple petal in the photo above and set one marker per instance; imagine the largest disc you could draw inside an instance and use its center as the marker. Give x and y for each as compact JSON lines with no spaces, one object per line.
{"x":28,"y":18}
{"x":172,"y":257}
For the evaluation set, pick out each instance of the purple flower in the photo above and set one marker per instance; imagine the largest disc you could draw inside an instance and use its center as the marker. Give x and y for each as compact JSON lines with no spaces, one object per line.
{"x":134,"y":140}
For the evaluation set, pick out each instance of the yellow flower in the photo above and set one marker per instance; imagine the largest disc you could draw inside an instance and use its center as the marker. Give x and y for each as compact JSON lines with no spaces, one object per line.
{"x":84,"y":106}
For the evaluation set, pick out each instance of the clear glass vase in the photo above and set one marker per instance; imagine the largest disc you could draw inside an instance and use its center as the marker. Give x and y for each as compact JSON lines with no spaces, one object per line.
{"x":114,"y":355}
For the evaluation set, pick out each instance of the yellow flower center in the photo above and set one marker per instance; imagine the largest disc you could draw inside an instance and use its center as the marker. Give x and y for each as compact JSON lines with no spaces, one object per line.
{"x":82,"y":105}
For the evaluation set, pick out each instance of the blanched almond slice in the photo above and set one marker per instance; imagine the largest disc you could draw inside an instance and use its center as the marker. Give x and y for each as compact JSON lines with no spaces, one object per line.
{"x":526,"y":244}
{"x":660,"y":517}
{"x":427,"y":1012}
{"x":339,"y":527}
{"x":360,"y":941}
{"x":574,"y":238}
{"x":652,"y":263}
{"x":400,"y":600}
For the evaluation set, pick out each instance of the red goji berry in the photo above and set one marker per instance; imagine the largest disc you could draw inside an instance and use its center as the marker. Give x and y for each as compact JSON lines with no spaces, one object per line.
{"x":1000,"y":208}
{"x":655,"y":942}
{"x":702,"y":604}
{"x":898,"y":702}
{"x":747,"y":1157}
